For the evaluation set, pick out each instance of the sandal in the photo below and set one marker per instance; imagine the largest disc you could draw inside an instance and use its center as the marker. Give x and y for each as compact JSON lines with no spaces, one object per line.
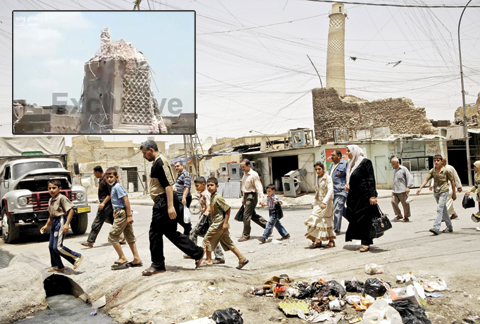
{"x":397,"y":218}
{"x":205,"y":264}
{"x":133,"y":265}
{"x":218,"y":261}
{"x":315,"y":245}
{"x":405,"y":220}
{"x":364,"y":248}
{"x":330,"y":244}
{"x":241,"y":264}
{"x":119,"y":265}
{"x":87,"y":244}
{"x":151,"y":271}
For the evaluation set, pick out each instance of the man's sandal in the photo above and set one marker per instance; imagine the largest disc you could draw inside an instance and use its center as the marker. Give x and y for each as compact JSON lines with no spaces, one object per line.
{"x":315,"y":245}
{"x":397,"y":218}
{"x":151,"y":271}
{"x":241,"y":264}
{"x":87,"y":244}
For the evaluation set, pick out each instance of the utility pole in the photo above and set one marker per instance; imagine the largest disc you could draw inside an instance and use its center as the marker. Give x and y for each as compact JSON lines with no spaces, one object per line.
{"x":146,"y":178}
{"x":465,"y":127}
{"x":186,"y":152}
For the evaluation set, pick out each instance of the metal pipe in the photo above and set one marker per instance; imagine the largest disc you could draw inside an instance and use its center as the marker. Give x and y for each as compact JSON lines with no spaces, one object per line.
{"x":465,"y":128}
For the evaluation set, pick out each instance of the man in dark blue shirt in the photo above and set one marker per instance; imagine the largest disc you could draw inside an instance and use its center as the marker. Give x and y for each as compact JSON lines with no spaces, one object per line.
{"x":338,"y":173}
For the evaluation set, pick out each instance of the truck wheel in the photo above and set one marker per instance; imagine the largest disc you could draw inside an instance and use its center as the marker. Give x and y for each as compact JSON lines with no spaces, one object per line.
{"x":10,"y":233}
{"x":79,"y":223}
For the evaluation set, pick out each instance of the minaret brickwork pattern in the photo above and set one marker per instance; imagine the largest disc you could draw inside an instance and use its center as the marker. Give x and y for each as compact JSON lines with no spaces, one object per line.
{"x":336,"y":49}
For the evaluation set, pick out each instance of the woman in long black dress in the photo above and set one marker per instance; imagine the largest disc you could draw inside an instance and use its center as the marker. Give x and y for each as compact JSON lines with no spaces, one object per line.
{"x":362,"y":197}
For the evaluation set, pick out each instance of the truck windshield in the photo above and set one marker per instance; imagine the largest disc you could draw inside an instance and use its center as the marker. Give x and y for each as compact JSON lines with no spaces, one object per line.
{"x":22,"y":168}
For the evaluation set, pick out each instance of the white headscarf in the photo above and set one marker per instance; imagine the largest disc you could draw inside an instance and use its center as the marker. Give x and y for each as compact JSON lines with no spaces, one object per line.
{"x":358,"y":157}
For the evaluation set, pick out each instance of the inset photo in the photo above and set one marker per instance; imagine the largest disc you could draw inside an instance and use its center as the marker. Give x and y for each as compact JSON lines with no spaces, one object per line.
{"x":100,"y":72}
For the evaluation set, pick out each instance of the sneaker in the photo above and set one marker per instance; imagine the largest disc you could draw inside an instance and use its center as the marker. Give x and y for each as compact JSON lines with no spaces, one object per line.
{"x":262,"y":240}
{"x":447,"y":230}
{"x":285,"y":237}
{"x":435,"y":231}
{"x":409,"y":199}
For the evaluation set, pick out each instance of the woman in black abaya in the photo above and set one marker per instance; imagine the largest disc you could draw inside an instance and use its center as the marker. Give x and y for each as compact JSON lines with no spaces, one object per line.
{"x":361,"y":199}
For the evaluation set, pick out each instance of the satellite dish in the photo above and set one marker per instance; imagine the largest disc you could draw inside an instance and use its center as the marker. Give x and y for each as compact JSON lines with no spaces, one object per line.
{"x":207,"y":144}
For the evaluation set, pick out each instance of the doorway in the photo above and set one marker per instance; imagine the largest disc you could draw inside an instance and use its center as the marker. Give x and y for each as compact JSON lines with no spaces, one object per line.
{"x":282,"y":165}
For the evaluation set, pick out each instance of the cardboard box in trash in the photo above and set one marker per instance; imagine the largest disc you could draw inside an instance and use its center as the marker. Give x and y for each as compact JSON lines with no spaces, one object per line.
{"x":409,"y":293}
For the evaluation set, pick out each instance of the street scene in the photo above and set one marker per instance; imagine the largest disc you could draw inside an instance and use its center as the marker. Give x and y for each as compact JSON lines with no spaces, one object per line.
{"x":204,"y":162}
{"x":115,"y":90}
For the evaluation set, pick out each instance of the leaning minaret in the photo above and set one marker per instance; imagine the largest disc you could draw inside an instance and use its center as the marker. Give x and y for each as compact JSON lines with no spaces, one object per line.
{"x":335,"y":51}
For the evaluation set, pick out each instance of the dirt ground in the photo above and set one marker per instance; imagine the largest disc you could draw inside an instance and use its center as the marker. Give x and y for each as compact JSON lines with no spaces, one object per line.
{"x":182,"y":294}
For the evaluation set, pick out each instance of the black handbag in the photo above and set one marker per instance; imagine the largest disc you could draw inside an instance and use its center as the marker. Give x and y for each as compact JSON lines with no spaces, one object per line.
{"x":202,"y":227}
{"x":239,"y":215}
{"x":468,"y":202}
{"x":278,"y":211}
{"x":380,"y":224}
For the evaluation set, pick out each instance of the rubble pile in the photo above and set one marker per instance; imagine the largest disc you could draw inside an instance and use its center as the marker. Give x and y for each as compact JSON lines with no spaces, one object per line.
{"x":332,"y":301}
{"x":472,"y":113}
{"x":120,"y":50}
{"x":330,"y":110}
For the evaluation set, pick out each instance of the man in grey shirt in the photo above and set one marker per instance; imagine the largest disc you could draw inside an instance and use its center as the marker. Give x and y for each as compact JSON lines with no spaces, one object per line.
{"x":402,"y":181}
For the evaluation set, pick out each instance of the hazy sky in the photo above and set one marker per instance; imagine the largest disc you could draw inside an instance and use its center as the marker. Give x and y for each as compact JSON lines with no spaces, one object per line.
{"x":252,"y":70}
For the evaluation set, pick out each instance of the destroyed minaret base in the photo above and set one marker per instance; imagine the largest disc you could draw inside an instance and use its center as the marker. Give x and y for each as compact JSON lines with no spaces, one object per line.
{"x":117,"y":96}
{"x":333,"y":112}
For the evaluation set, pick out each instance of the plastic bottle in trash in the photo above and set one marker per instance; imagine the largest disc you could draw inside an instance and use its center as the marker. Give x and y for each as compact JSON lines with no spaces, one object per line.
{"x":381,"y":313}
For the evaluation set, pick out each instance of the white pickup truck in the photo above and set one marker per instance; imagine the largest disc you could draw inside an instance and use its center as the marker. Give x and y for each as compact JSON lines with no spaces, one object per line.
{"x":24,"y":195}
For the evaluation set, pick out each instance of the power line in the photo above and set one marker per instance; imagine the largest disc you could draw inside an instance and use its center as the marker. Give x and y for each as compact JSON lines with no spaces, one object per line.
{"x":395,"y":5}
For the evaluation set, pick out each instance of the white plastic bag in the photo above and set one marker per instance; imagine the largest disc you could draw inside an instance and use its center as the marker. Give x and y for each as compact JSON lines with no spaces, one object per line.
{"x":186,"y":215}
{"x":373,"y":268}
{"x":381,"y":313}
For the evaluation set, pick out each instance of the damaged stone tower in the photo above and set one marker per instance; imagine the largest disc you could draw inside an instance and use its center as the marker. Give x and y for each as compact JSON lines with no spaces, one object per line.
{"x":336,"y":49}
{"x":117,"y":97}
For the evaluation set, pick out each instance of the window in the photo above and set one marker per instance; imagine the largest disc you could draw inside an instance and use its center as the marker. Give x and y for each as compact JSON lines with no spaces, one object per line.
{"x":23,"y":168}
{"x":7,"y":172}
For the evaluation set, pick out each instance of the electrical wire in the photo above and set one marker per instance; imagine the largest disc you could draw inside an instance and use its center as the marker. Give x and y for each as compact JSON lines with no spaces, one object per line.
{"x":395,"y":5}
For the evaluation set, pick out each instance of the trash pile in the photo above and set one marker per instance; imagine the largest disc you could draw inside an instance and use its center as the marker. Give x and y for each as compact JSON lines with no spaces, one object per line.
{"x":324,"y":300}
